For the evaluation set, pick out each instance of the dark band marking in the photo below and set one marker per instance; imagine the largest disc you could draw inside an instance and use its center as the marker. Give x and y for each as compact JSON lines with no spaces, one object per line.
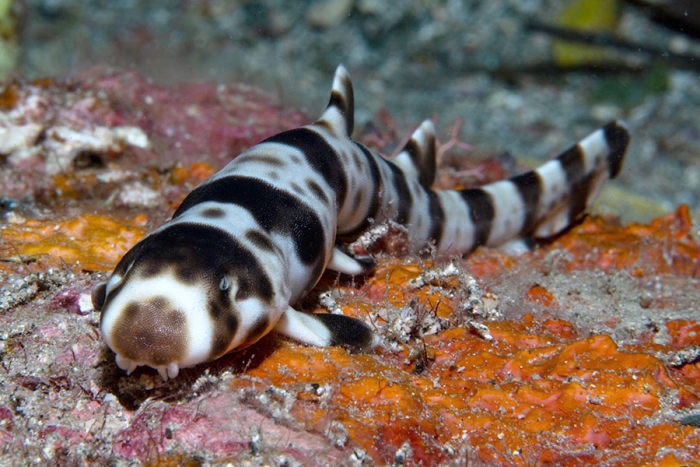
{"x":297,"y":189}
{"x":146,"y":269}
{"x":126,"y":263}
{"x":112,"y":292}
{"x":205,"y":253}
{"x":425,"y":163}
{"x":98,"y":295}
{"x":346,"y":331}
{"x":529,"y":186}
{"x":405,"y":201}
{"x":151,"y":269}
{"x":573,"y":164}
{"x":437,"y":217}
{"x":376,"y":183}
{"x":320,"y":155}
{"x":317,"y":190}
{"x":429,"y":166}
{"x":325,"y":125}
{"x":357,"y":161}
{"x":151,"y":332}
{"x":345,"y":104}
{"x":274,"y":209}
{"x":263,"y":159}
{"x":260,"y":240}
{"x":579,"y":197}
{"x":256,"y":331}
{"x":227,"y":322}
{"x":187,"y":273}
{"x":578,"y":181}
{"x":617,"y":138}
{"x":481,"y":212}
{"x":213,"y":213}
{"x":357,"y":202}
{"x":373,"y":209}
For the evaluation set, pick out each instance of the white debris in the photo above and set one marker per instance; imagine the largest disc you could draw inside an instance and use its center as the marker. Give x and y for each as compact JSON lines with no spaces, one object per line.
{"x":433,"y":274}
{"x":381,"y":232}
{"x":62,"y":144}
{"x":137,"y":194}
{"x":132,"y":136}
{"x":327,"y":301}
{"x":85,"y":304}
{"x":338,"y":434}
{"x":480,"y":329}
{"x":14,"y":138}
{"x":115,"y":175}
{"x":403,"y":454}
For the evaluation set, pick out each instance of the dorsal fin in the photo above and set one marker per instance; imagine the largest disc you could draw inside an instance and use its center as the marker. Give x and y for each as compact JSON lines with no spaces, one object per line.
{"x":418,"y":155}
{"x":339,"y":116}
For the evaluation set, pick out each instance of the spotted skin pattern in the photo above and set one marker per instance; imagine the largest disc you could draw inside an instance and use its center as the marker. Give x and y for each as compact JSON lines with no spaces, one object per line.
{"x":250,"y":241}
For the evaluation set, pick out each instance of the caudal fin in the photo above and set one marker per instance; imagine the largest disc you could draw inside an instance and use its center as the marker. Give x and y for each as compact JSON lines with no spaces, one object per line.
{"x":544,"y":201}
{"x":570,"y":183}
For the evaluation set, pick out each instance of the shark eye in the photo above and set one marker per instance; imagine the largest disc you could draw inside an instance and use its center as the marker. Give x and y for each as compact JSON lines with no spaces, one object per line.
{"x":225,"y":283}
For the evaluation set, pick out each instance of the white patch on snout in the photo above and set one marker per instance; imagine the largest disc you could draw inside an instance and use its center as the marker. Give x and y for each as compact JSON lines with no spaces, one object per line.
{"x":191,"y":300}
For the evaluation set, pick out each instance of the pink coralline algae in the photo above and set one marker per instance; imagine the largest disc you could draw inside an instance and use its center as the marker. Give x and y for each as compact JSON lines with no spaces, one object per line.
{"x":58,"y":127}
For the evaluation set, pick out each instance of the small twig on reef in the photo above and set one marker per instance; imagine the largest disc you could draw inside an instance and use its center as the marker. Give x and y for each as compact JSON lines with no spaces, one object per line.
{"x":603,"y":39}
{"x":681,"y":16}
{"x":454,"y":141}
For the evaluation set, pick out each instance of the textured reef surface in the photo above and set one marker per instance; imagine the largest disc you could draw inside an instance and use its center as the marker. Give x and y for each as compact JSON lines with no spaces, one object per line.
{"x":583,"y":352}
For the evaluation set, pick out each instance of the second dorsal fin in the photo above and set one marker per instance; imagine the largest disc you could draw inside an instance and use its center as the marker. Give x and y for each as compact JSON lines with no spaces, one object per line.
{"x":339,"y":116}
{"x":418,"y":155}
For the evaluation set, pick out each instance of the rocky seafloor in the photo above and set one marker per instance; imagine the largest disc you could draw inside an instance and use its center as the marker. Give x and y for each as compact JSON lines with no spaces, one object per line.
{"x":583,"y":352}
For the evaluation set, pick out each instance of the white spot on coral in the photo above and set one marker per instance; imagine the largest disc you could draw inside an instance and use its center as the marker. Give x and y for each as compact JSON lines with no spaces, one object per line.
{"x":132,"y":136}
{"x":63,"y":144}
{"x":139,"y":195}
{"x":85,"y":304}
{"x":14,"y":138}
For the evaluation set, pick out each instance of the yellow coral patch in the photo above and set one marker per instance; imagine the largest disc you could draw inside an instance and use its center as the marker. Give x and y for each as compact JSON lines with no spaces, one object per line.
{"x":94,"y":242}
